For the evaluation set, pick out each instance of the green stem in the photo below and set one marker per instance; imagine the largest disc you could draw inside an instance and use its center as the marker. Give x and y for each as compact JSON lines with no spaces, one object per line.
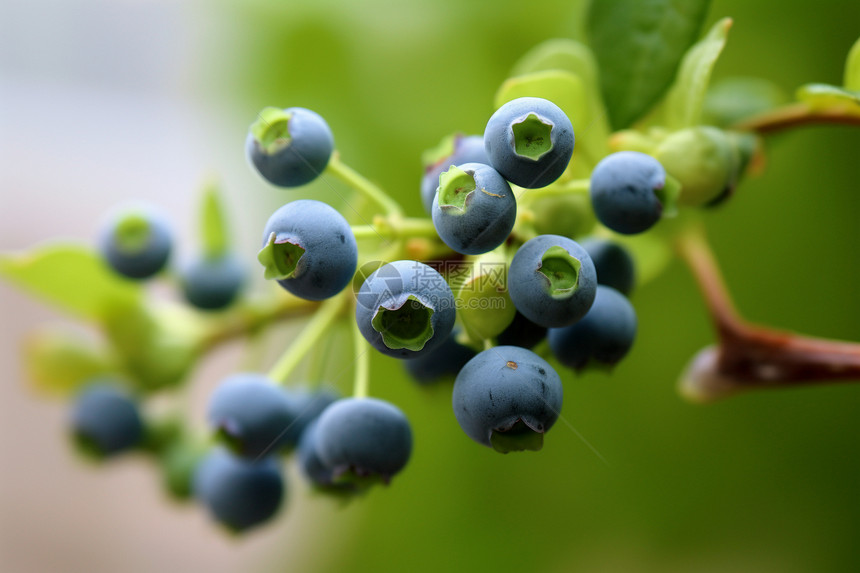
{"x":574,"y":187}
{"x":308,"y":338}
{"x":341,"y":171}
{"x":396,"y":227}
{"x":361,"y":383}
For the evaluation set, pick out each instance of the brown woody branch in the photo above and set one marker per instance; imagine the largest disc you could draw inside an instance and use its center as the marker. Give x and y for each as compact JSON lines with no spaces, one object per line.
{"x":752,"y":356}
{"x":795,"y":115}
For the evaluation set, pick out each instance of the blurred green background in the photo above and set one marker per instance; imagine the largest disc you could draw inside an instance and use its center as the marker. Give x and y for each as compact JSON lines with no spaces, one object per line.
{"x":761,"y":482}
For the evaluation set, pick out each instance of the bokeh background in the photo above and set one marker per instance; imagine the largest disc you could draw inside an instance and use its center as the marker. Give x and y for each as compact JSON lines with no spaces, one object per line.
{"x":108,"y":100}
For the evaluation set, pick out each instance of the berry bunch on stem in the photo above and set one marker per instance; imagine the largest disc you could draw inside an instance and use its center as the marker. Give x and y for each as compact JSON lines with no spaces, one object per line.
{"x":538,"y":233}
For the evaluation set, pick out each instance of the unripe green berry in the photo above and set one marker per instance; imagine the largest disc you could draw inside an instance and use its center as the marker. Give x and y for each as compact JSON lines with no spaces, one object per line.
{"x":703,"y":161}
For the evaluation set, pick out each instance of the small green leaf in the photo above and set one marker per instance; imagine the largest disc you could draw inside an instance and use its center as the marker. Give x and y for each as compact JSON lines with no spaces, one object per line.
{"x":827,"y":97}
{"x":213,"y":223}
{"x":852,"y":68}
{"x":59,"y":362}
{"x":72,"y":277}
{"x":683,"y":105}
{"x":638,"y":45}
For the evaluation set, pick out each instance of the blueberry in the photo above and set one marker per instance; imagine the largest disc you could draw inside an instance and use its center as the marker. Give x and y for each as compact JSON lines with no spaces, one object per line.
{"x":212,"y":283}
{"x":135,"y":241}
{"x":405,"y":309}
{"x":308,"y":405}
{"x":529,"y":141}
{"x":442,"y":362}
{"x":507,"y":398}
{"x":613,"y":263}
{"x":289,"y":147}
{"x":603,"y":337}
{"x":627,"y":191}
{"x":552,"y":281}
{"x":239,"y":493}
{"x":474,"y":209}
{"x":105,"y":420}
{"x":458,"y":150}
{"x":364,"y":438}
{"x":522,"y":332}
{"x":251,"y":414}
{"x":319,"y":474}
{"x":309,"y":248}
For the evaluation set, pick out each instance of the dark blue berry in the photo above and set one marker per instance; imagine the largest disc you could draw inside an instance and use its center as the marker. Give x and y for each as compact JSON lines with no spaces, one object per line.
{"x":212,"y":283}
{"x":522,"y":332}
{"x":105,"y":420}
{"x":239,"y":493}
{"x":251,"y":414}
{"x":364,"y":438}
{"x":136,"y":242}
{"x":465,"y":149}
{"x":474,"y":210}
{"x":507,"y":398}
{"x":626,"y":189}
{"x":443,"y":362}
{"x":613,"y":263}
{"x":309,"y":248}
{"x":552,"y":281}
{"x":602,"y":338}
{"x":319,"y":474}
{"x":405,"y":309}
{"x":529,"y":141}
{"x":289,"y":147}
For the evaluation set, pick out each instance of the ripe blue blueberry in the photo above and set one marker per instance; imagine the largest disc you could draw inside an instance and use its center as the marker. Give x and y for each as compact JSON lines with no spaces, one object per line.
{"x":474,"y":209}
{"x":522,"y":332}
{"x":613,"y":263}
{"x":289,"y":147}
{"x":105,"y":420}
{"x":602,"y":338}
{"x":507,"y":398}
{"x":135,"y":241}
{"x":212,"y":283}
{"x":444,"y":361}
{"x":251,"y":414}
{"x":318,"y":473}
{"x":309,"y":248}
{"x":627,"y":191}
{"x":405,"y":309}
{"x":459,"y":149}
{"x":239,"y":493}
{"x":364,"y":438}
{"x":552,"y":281}
{"x":529,"y":141}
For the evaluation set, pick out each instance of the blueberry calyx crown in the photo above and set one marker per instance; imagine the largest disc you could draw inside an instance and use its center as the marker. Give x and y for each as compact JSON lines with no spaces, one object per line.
{"x":531,"y":137}
{"x":518,"y":437}
{"x":132,"y":233}
{"x":280,"y":258}
{"x":271,"y":130}
{"x":455,"y":188}
{"x":560,"y":271}
{"x":668,"y":194}
{"x":407,"y":325}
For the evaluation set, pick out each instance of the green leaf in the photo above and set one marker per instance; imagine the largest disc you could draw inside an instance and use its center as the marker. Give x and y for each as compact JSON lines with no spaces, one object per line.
{"x":58,"y":362}
{"x":638,"y":45}
{"x":72,"y":277}
{"x":683,"y":105}
{"x":827,"y":97}
{"x":568,"y":92}
{"x":213,"y":224}
{"x":852,"y":68}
